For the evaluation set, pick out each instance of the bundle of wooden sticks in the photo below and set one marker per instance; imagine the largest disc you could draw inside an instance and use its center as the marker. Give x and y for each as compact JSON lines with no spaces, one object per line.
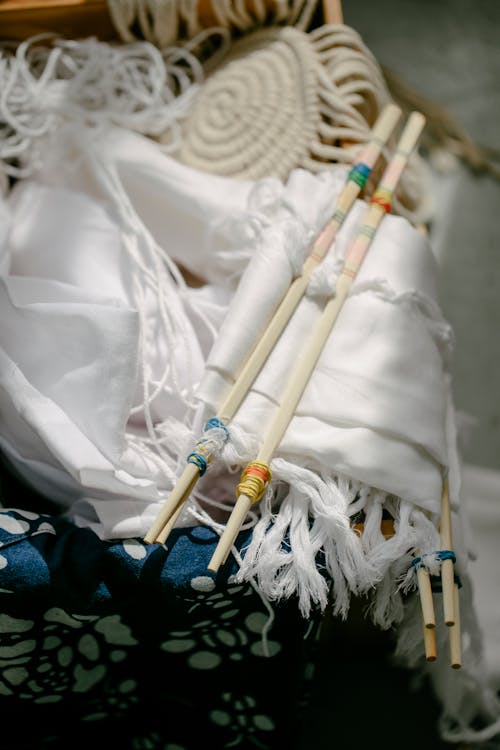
{"x":256,"y":477}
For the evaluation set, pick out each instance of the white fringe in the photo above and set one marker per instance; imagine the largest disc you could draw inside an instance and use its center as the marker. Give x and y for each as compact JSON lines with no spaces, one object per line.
{"x":309,"y":545}
{"x":310,"y":542}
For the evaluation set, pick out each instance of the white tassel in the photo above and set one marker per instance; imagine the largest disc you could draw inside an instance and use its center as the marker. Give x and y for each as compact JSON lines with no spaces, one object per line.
{"x":309,"y":545}
{"x":282,"y":573}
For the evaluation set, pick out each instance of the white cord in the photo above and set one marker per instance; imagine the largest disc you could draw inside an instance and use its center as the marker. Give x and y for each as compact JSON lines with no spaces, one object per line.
{"x":47,"y":81}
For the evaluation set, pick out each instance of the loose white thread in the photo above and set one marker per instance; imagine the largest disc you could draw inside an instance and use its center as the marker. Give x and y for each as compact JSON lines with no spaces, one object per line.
{"x":46,"y":82}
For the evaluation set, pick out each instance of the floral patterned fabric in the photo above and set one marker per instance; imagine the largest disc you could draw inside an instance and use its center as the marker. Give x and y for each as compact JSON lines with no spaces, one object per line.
{"x":141,"y":641}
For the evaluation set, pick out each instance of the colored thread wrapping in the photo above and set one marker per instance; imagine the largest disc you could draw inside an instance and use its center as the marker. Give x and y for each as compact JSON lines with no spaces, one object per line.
{"x":206,"y":447}
{"x":215,"y":423}
{"x":198,"y":460}
{"x":255,"y":480}
{"x":367,"y":231}
{"x":382,"y":198}
{"x":359,"y":174}
{"x":442,"y":554}
{"x":338,"y":216}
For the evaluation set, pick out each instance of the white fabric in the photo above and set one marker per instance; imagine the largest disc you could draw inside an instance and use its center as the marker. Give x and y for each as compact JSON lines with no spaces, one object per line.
{"x":71,"y":384}
{"x":382,"y":421}
{"x":69,"y":258}
{"x":195,"y":218}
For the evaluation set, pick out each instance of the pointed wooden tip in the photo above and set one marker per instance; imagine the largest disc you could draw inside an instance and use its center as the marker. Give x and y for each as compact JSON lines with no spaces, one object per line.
{"x":426,"y":603}
{"x":430,"y":644}
{"x":150,"y":537}
{"x":455,"y":635}
{"x":173,"y":503}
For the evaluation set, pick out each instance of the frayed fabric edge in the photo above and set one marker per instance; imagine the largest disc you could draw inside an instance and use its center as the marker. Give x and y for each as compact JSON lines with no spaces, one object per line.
{"x":306,"y":545}
{"x":311,"y":541}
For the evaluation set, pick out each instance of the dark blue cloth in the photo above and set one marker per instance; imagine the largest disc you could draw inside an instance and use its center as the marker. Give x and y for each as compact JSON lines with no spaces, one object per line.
{"x":99,"y":637}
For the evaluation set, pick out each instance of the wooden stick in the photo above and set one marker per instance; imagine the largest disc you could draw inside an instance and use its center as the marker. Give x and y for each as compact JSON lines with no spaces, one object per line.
{"x":171,"y":511}
{"x":425,"y":591}
{"x":447,"y":566}
{"x":426,"y":603}
{"x":455,"y":634}
{"x":379,"y":136}
{"x":430,"y":644}
{"x":182,"y":489}
{"x":306,"y":362}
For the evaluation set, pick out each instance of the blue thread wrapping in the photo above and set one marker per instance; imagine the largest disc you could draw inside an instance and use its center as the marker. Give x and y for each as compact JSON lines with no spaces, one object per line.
{"x":446,"y":554}
{"x":359,"y":174}
{"x":442,"y":554}
{"x":215,"y":423}
{"x":198,"y":460}
{"x":416,"y":563}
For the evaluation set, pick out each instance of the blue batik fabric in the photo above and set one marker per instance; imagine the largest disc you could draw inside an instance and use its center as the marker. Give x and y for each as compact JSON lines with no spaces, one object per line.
{"x":141,"y":641}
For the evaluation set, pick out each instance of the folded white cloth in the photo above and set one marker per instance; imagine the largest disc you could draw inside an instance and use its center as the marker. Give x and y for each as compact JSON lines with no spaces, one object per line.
{"x":375,"y":405}
{"x":95,"y":312}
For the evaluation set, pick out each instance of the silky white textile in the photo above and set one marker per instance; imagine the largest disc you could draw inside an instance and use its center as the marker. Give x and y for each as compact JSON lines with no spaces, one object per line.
{"x":375,"y":406}
{"x":72,"y":317}
{"x":375,"y":422}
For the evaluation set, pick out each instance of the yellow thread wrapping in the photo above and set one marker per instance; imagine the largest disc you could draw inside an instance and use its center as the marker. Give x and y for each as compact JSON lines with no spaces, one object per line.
{"x":205,"y":448}
{"x":255,"y":480}
{"x":384,"y":194}
{"x":383,"y":198}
